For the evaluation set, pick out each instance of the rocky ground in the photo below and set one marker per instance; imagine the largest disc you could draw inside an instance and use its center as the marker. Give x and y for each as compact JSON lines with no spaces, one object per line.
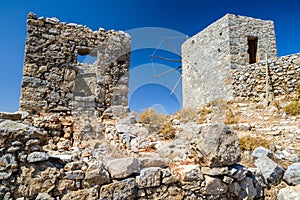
{"x":273,"y":129}
{"x":189,"y":155}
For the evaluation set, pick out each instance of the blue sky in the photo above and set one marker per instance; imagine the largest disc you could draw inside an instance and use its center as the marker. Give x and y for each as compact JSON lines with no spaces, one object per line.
{"x":187,"y":17}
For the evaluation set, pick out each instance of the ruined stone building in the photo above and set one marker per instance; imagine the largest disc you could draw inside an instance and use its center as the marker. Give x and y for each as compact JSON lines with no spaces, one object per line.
{"x":74,"y":137}
{"x":227,"y":60}
{"x":54,"y":81}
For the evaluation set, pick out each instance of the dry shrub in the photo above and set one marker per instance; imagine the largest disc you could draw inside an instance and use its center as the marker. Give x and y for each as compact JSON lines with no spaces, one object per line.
{"x":259,"y":106}
{"x":167,"y":131}
{"x":249,"y":143}
{"x":149,"y":116}
{"x":292,"y":108}
{"x":231,"y":118}
{"x":219,"y":103}
{"x":276,"y":104}
{"x":152,"y":120}
{"x":186,"y":115}
{"x":203,"y":113}
{"x":298,"y":93}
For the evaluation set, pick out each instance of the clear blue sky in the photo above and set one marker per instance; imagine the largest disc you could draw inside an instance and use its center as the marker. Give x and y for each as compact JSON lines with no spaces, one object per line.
{"x":188,"y":17}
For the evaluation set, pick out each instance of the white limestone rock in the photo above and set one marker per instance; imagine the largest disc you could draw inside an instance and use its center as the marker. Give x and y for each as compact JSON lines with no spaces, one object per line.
{"x":292,"y":174}
{"x":123,"y":167}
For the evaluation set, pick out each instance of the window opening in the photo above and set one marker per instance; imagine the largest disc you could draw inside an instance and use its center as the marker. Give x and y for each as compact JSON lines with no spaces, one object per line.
{"x":252,"y":49}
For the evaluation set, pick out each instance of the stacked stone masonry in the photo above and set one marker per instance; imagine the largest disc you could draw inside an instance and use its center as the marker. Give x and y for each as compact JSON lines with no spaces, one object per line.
{"x":74,"y":138}
{"x":283,"y":77}
{"x":53,"y":79}
{"x":209,"y":57}
{"x":29,"y":171}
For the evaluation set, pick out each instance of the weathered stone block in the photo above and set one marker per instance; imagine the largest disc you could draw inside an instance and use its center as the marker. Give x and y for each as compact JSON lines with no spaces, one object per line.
{"x":217,"y":146}
{"x":96,"y":175}
{"x":125,"y":189}
{"x":150,"y":177}
{"x":272,"y":172}
{"x":37,"y":157}
{"x":123,"y":167}
{"x":214,"y":186}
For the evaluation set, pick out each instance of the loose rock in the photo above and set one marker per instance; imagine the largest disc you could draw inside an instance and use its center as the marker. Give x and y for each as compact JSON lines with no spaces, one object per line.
{"x":217,"y":146}
{"x":269,"y":169}
{"x":292,"y":174}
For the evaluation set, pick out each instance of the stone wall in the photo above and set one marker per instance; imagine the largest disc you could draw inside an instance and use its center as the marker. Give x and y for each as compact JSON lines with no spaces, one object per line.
{"x":209,"y":56}
{"x":53,"y":79}
{"x":29,"y":171}
{"x":204,"y":67}
{"x":284,"y":77}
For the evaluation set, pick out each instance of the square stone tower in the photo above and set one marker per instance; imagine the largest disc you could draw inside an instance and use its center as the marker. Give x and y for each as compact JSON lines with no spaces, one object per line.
{"x":209,"y":57}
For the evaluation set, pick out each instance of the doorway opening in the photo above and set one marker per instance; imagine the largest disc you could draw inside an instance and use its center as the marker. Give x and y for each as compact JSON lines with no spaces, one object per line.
{"x":252,"y":49}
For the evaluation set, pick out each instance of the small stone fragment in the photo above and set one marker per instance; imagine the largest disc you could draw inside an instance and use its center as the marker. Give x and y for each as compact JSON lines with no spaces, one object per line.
{"x":37,"y":157}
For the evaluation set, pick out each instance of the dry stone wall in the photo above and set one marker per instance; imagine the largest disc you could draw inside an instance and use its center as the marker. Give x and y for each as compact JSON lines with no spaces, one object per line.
{"x":53,"y":79}
{"x":29,"y":172}
{"x":283,"y":77}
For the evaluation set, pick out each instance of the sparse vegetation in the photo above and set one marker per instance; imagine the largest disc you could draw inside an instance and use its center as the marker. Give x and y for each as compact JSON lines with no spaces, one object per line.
{"x":276,"y":103}
{"x":231,"y":118}
{"x":191,"y":114}
{"x":186,"y":114}
{"x":219,"y":103}
{"x":158,"y":123}
{"x":293,"y":108}
{"x":149,"y":116}
{"x":167,"y":131}
{"x":249,"y":143}
{"x":203,"y":113}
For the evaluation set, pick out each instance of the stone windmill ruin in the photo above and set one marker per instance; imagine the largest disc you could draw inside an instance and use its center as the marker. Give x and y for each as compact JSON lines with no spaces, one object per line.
{"x":60,"y":96}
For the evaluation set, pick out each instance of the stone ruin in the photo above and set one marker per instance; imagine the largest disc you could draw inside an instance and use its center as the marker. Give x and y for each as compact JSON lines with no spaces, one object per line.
{"x":228,"y":60}
{"x":74,"y":137}
{"x":55,"y":82}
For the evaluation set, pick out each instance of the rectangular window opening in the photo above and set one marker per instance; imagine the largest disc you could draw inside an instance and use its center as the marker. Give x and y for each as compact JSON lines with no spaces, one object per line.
{"x":86,"y":55}
{"x":252,"y":49}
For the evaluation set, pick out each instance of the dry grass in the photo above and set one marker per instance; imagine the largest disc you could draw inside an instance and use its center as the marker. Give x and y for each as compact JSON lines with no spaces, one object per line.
{"x":203,"y":113}
{"x":249,"y":143}
{"x":293,"y":108}
{"x":186,"y":115}
{"x":276,"y":104}
{"x":231,"y":118}
{"x":218,"y":103}
{"x":272,"y":191}
{"x":152,"y":120}
{"x":167,"y":131}
{"x":149,"y":116}
{"x":247,"y":160}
